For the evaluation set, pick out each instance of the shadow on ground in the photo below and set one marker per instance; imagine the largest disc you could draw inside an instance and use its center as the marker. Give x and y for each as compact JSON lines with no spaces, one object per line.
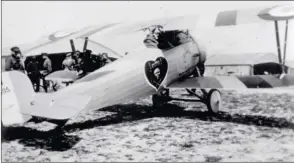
{"x":133,"y":112}
{"x":54,"y":140}
{"x":57,"y":140}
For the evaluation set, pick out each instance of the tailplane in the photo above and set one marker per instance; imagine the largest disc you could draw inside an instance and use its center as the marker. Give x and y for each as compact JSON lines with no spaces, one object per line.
{"x":20,"y":102}
{"x":17,"y":92}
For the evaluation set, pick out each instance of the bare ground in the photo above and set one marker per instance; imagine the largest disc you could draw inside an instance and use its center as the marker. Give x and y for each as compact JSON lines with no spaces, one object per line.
{"x":251,"y":127}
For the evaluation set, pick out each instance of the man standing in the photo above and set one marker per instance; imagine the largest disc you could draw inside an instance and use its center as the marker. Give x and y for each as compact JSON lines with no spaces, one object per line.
{"x":14,"y":62}
{"x":32,"y":69}
{"x":47,"y":69}
{"x":47,"y":64}
{"x":68,"y":63}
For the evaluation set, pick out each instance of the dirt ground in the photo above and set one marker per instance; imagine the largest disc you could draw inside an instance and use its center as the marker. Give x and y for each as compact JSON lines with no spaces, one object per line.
{"x":251,"y":127}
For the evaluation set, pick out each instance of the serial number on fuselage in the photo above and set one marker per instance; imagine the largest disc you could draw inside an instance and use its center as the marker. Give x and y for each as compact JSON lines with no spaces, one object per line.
{"x":5,"y":90}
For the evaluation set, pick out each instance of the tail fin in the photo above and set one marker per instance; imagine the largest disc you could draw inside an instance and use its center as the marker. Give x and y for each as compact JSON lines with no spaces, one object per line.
{"x":17,"y":90}
{"x":20,"y":102}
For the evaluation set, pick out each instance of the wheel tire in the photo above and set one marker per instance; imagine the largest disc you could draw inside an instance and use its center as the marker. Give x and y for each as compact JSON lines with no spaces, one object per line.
{"x":214,"y":101}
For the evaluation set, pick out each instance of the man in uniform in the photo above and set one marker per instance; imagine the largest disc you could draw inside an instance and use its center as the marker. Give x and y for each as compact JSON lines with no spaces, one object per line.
{"x":14,"y":62}
{"x":47,"y":64}
{"x":68,"y":63}
{"x":47,"y":69}
{"x":32,"y":69}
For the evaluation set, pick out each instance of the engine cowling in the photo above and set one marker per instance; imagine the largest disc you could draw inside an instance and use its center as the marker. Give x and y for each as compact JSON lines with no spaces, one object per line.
{"x":181,"y":55}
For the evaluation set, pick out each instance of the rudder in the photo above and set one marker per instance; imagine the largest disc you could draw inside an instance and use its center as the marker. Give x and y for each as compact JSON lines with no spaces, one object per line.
{"x":17,"y":93}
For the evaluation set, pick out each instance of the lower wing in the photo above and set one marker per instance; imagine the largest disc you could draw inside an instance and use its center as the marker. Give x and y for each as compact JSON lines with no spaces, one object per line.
{"x":237,"y":82}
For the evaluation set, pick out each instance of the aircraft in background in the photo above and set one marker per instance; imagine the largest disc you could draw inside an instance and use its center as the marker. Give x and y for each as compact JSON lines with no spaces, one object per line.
{"x":57,"y":46}
{"x":170,"y":57}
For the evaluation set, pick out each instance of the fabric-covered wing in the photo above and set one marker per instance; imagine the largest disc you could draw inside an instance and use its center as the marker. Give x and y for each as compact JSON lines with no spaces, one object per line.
{"x":58,"y":42}
{"x":236,"y":82}
{"x":255,"y":15}
{"x":220,"y":19}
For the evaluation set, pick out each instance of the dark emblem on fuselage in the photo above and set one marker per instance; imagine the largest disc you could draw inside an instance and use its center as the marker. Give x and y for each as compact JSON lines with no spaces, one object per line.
{"x":156,"y":71}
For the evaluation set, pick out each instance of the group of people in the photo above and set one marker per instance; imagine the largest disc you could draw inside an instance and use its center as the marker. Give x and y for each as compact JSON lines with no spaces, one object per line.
{"x":16,"y":62}
{"x":82,"y":62}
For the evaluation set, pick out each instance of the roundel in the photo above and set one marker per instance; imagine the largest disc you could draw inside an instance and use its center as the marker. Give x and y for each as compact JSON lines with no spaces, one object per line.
{"x":61,"y":34}
{"x":282,"y":11}
{"x":278,"y":13}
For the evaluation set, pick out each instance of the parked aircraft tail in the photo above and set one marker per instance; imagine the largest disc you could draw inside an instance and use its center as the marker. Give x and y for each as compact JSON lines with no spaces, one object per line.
{"x":20,"y":103}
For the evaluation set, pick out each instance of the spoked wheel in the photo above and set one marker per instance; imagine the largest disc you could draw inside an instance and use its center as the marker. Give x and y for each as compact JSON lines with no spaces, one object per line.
{"x":214,"y":101}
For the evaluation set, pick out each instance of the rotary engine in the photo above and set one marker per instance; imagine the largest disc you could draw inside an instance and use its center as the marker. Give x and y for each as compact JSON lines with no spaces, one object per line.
{"x":183,"y":57}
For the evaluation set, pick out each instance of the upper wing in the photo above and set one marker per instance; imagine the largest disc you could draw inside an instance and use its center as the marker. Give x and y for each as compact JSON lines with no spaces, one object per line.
{"x":254,"y":15}
{"x":218,"y":19}
{"x":236,"y":82}
{"x":58,"y":42}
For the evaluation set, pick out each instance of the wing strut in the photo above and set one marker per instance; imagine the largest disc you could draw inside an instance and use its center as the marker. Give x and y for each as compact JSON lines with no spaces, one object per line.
{"x":278,"y":41}
{"x":282,"y":61}
{"x":285,"y":45}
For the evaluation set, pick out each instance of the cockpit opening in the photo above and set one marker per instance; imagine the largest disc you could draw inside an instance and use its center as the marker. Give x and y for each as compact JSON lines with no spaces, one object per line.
{"x":165,"y":40}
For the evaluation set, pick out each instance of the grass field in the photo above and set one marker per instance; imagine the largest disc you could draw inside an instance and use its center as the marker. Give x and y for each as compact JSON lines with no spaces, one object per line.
{"x":251,"y":127}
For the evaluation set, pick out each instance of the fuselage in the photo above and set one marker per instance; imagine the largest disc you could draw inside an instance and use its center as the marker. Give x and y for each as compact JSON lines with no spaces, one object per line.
{"x":125,"y":78}
{"x":115,"y":83}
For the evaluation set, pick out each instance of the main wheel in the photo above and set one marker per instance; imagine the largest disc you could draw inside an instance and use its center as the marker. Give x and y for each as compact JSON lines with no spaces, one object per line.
{"x":214,"y":101}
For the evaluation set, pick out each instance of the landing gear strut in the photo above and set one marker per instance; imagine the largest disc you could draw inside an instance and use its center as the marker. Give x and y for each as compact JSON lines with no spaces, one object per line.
{"x":212,"y":99}
{"x":161,"y":98}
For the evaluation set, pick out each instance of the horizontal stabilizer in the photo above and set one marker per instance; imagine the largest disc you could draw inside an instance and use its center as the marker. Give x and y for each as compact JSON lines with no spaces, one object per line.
{"x":57,"y":109}
{"x":63,"y":76}
{"x":237,"y":82}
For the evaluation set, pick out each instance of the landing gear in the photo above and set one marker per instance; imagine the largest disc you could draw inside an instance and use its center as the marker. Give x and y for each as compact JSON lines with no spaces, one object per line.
{"x":212,"y":99}
{"x":161,"y":98}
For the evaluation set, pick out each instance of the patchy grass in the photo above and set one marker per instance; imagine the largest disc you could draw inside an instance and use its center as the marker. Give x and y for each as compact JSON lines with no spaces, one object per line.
{"x":250,"y":125}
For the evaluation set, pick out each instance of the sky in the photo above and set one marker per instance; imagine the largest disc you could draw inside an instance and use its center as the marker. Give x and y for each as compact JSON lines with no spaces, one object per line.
{"x":25,"y":21}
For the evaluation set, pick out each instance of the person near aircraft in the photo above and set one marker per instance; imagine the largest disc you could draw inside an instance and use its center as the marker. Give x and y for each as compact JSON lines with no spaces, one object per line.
{"x":33,"y":72}
{"x":76,"y":55}
{"x":105,"y":59}
{"x":47,"y":64}
{"x":68,"y":63}
{"x":88,"y":62}
{"x":47,"y":69}
{"x":14,"y":61}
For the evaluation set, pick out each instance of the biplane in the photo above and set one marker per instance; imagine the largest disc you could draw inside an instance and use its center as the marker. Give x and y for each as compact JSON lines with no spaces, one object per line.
{"x":170,"y":56}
